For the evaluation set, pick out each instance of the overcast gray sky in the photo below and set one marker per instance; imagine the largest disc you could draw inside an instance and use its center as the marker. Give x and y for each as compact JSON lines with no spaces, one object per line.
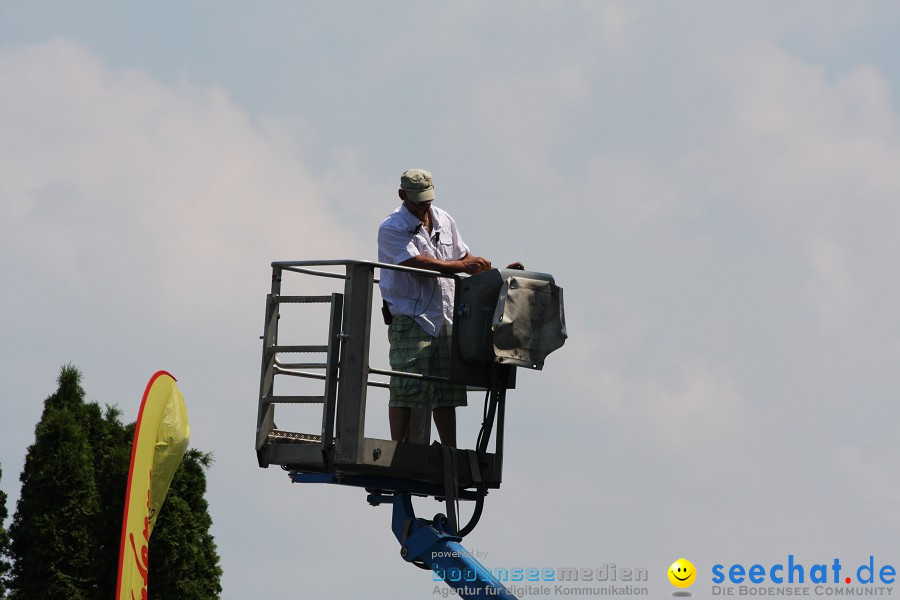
{"x":716,"y":185}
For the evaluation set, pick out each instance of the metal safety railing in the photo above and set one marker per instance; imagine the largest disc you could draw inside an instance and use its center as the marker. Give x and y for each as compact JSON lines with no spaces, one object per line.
{"x":345,"y":368}
{"x":340,"y":450}
{"x":302,"y":267}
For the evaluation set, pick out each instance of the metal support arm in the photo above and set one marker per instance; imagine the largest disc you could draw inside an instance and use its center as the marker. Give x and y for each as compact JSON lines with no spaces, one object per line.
{"x":430,"y":545}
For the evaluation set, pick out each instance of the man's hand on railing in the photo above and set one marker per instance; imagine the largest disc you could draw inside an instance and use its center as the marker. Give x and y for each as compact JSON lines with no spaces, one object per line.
{"x":475,"y":264}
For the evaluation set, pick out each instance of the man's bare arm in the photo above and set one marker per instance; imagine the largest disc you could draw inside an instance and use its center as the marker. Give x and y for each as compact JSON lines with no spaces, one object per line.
{"x":469,"y":264}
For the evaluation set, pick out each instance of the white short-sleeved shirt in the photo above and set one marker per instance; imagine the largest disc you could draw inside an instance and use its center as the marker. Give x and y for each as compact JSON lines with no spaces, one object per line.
{"x":401,"y":237}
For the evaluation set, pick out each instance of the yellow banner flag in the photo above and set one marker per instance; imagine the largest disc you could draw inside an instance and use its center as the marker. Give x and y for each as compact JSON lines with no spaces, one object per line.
{"x":160,"y":440}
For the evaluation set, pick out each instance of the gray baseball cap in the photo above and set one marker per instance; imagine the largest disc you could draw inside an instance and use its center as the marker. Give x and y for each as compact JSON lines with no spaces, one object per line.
{"x":418,"y":185}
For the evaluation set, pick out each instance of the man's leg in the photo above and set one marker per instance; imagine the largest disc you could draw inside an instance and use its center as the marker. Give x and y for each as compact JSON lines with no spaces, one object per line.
{"x":445,"y":421}
{"x":447,"y":395}
{"x":407,"y":344}
{"x":399,"y":420}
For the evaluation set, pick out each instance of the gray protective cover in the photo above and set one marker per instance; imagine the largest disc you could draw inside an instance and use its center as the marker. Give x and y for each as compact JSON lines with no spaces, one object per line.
{"x":509,"y":316}
{"x":529,"y":322}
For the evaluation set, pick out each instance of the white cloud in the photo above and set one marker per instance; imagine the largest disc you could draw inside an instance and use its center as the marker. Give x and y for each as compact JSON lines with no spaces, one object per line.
{"x":732,"y":305}
{"x":137,"y":224}
{"x":112,"y":171}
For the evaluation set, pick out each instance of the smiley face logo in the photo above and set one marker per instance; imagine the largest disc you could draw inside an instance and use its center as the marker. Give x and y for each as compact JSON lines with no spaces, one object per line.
{"x":682,"y":573}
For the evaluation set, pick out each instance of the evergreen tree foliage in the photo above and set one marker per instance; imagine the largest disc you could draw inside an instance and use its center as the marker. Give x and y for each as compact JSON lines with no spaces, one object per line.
{"x":52,"y":533}
{"x":4,"y":541}
{"x":184,"y":562}
{"x":112,"y":458}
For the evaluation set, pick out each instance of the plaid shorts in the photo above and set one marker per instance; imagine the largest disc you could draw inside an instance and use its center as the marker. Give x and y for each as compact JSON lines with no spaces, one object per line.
{"x":415,"y":351}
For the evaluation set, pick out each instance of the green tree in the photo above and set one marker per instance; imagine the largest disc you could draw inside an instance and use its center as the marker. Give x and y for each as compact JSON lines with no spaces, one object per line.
{"x":184,"y":562}
{"x":4,"y":542}
{"x":52,"y":533}
{"x":112,"y":459}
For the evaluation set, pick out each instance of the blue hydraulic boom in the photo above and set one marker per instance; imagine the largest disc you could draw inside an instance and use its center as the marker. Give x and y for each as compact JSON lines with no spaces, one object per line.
{"x":433,"y":545}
